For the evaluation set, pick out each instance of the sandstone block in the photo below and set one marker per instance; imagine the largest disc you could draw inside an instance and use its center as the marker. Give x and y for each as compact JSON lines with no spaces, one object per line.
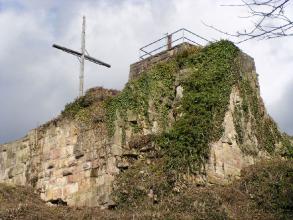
{"x":123,"y":165}
{"x":46,"y":156}
{"x":111,"y":166}
{"x":87,"y":166}
{"x":70,"y":189}
{"x":50,"y":165}
{"x":53,"y":193}
{"x":71,"y":162}
{"x":67,"y":172}
{"x":71,"y":140}
{"x":12,"y":172}
{"x":179,"y":92}
{"x":73,"y":178}
{"x":116,"y":150}
{"x":67,"y":151}
{"x":55,"y":154}
{"x":23,"y":156}
{"x":87,"y":173}
{"x":51,"y":182}
{"x":117,"y":137}
{"x":62,"y":181}
{"x":78,"y":153}
{"x":130,"y":153}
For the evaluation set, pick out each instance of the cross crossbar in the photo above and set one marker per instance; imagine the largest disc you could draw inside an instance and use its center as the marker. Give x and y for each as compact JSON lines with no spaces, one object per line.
{"x":82,"y":57}
{"x":76,"y":53}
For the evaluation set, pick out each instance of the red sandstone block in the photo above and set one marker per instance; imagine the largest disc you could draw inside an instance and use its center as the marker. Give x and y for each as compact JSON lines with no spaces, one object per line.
{"x":52,"y":181}
{"x":55,"y":153}
{"x":73,"y":178}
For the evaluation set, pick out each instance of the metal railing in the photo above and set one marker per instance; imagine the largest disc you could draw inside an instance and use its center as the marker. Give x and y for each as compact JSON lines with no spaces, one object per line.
{"x":170,"y":40}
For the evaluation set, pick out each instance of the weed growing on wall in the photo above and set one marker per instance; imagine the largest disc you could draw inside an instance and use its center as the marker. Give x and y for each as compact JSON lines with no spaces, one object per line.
{"x":153,"y":86}
{"x":263,"y":126}
{"x":87,"y":109}
{"x":205,"y":101}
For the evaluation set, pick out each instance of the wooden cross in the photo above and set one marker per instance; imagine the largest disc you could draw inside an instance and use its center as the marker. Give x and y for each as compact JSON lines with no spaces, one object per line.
{"x":82,"y":57}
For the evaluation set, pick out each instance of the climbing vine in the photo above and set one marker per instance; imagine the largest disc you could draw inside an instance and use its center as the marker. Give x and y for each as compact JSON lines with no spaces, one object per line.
{"x":155,"y":86}
{"x":209,"y":75}
{"x":263,"y":126}
{"x":205,"y":101}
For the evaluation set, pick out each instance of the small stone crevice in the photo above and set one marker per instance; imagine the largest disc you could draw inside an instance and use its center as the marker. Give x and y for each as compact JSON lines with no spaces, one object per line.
{"x":58,"y":202}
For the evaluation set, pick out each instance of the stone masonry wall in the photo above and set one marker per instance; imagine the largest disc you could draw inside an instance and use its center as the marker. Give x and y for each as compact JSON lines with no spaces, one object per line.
{"x":64,"y":160}
{"x":226,"y":157}
{"x":139,"y":67}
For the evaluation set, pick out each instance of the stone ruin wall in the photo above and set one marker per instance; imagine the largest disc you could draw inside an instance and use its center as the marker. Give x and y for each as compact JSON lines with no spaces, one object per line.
{"x":62,"y":162}
{"x":65,"y":161}
{"x":226,"y":157}
{"x":137,"y":68}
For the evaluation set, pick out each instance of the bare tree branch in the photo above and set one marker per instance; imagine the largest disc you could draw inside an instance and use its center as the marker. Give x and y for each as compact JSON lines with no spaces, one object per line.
{"x":270,"y":20}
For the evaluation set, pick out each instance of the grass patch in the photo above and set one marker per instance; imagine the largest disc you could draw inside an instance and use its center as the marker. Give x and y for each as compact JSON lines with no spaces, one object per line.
{"x":88,"y":109}
{"x":270,"y":186}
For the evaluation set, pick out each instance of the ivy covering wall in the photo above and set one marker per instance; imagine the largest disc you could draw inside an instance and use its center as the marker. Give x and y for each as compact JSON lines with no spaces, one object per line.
{"x":210,"y":73}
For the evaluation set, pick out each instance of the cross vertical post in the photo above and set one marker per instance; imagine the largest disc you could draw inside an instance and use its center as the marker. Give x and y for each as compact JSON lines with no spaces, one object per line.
{"x":81,"y":74}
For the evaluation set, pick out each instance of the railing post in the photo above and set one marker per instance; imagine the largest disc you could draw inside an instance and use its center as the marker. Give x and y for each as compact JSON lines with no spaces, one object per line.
{"x":183,"y":35}
{"x":169,"y":41}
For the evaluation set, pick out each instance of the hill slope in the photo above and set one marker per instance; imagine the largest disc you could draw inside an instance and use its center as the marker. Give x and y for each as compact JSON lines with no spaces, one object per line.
{"x":265,"y":191}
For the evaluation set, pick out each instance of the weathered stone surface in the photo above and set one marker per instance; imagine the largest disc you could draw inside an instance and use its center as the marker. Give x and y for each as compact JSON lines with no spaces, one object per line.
{"x":14,"y":171}
{"x":226,"y":158}
{"x":131,"y":116}
{"x":155,"y":128}
{"x":112,"y":166}
{"x":67,"y":173}
{"x":116,"y":149}
{"x":62,"y":160}
{"x":139,"y":67}
{"x":123,"y":165}
{"x":130,"y":153}
{"x":147,"y":148}
{"x":179,"y":92}
{"x":59,"y":160}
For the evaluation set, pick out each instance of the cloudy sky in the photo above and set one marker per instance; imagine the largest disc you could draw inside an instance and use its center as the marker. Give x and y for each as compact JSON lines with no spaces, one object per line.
{"x":36,"y":81}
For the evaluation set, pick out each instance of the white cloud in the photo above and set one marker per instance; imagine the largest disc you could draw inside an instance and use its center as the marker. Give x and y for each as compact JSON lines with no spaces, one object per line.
{"x":36,"y":81}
